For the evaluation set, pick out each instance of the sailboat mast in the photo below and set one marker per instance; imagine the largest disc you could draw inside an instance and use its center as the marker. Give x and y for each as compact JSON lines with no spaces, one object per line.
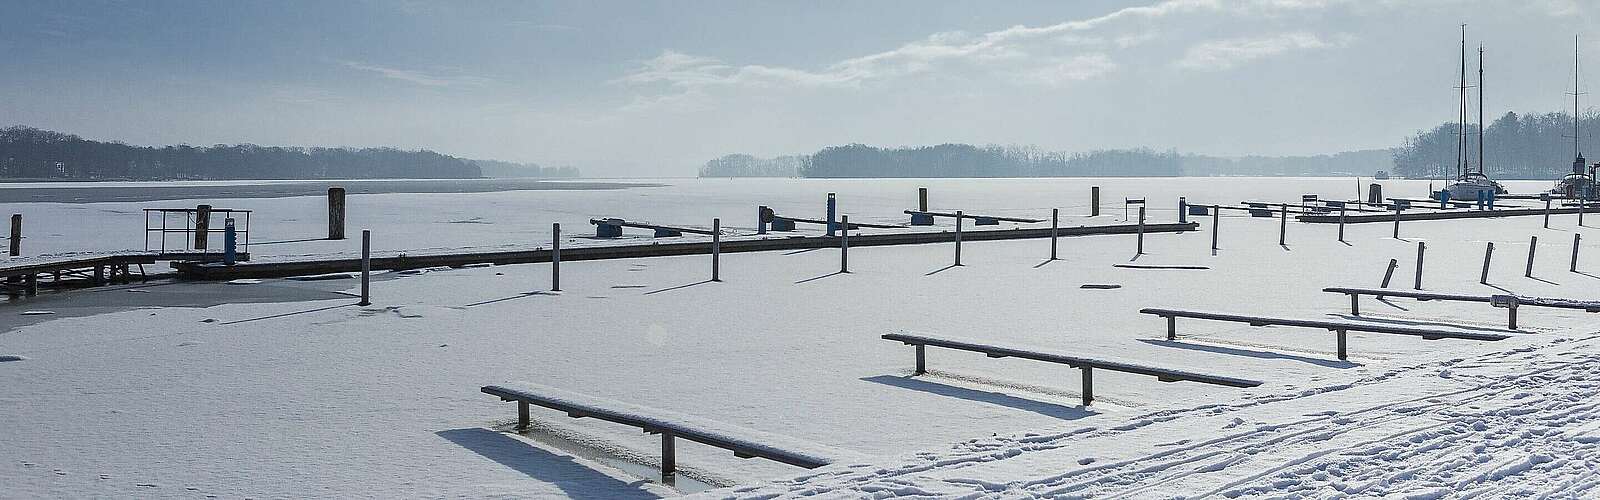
{"x":1481,"y":161}
{"x":1576,"y":46}
{"x":1461,"y":117}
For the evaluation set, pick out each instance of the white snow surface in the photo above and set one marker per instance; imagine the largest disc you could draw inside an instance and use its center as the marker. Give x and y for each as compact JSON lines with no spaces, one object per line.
{"x":323,"y":398}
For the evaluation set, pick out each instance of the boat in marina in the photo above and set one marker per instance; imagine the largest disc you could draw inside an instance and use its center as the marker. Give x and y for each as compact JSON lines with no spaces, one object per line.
{"x":1469,"y":184}
{"x":1577,"y":184}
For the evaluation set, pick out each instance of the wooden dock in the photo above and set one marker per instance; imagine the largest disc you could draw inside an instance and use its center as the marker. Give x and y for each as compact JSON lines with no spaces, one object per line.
{"x":213,"y":271}
{"x":1417,"y":214}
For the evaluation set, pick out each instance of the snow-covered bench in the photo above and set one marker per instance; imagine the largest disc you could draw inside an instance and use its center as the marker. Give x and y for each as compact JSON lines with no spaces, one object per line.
{"x":1510,"y":302}
{"x":1339,"y":328}
{"x":1086,"y":364}
{"x":743,"y":442}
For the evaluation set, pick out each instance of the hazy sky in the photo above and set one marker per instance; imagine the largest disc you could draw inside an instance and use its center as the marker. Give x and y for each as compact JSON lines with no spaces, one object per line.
{"x":659,"y":87}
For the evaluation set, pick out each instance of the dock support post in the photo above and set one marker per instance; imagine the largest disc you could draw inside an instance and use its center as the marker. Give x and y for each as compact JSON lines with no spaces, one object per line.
{"x":555,"y":257}
{"x":1140,"y":249}
{"x":1172,"y":328}
{"x":1088,"y":385}
{"x":522,"y":415}
{"x":1546,"y":211}
{"x":1488,"y":253}
{"x":230,"y":241}
{"x":336,"y":213}
{"x":716,"y":241}
{"x":1283,"y":224}
{"x":16,"y":235}
{"x":959,"y":217}
{"x":1216,"y":219}
{"x":1055,"y":227}
{"x":366,"y":268}
{"x":1393,"y":263}
{"x":669,"y":457}
{"x":1422,"y":248}
{"x":31,"y":284}
{"x":1341,"y":224}
{"x":761,"y":219}
{"x":1511,"y":314}
{"x":1094,"y":201}
{"x":844,"y":244}
{"x":922,"y":359}
{"x":1533,"y":245}
{"x":833,"y":210}
{"x":1397,"y":221}
{"x":1342,"y":343}
{"x":1575,"y":239}
{"x":1355,"y":304}
{"x":202,"y":226}
{"x":1183,"y":210}
{"x":922,"y":199}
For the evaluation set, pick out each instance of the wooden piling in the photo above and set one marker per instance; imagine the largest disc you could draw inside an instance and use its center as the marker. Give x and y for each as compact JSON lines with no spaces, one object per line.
{"x":1546,"y":211}
{"x":959,"y":218}
{"x":669,"y":457}
{"x":1216,"y":218}
{"x":844,"y":244}
{"x":1183,"y":210}
{"x":1088,"y":384}
{"x":1488,"y":253}
{"x":1388,"y":274}
{"x":1533,"y":245}
{"x":1055,"y":227}
{"x":1283,"y":224}
{"x":366,"y":268}
{"x":1094,"y":201}
{"x":202,"y":226}
{"x":1422,"y":248}
{"x":16,"y":235}
{"x":716,"y":245}
{"x":922,"y":199}
{"x":1140,"y":249}
{"x":555,"y":257}
{"x":1341,"y":224}
{"x":1576,"y":238}
{"x":335,"y":213}
{"x":1397,"y":220}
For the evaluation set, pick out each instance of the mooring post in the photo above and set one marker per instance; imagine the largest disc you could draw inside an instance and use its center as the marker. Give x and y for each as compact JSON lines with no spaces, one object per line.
{"x":1397,"y":220}
{"x":1341,"y":223}
{"x":922,"y":359}
{"x":1183,"y":210}
{"x":1389,"y":273}
{"x":1422,"y":247}
{"x":1511,"y":313}
{"x":1575,"y":239}
{"x":1342,"y":343}
{"x":1055,"y":225}
{"x":1094,"y":201}
{"x":1546,"y":210}
{"x":844,"y":244}
{"x":336,"y":213}
{"x":1488,"y":253}
{"x":366,"y":268}
{"x":16,"y":235}
{"x":1583,"y":206}
{"x":958,"y":236}
{"x":1283,"y":224}
{"x":922,"y":199}
{"x":1140,"y":249}
{"x":555,"y":257}
{"x":1172,"y":328}
{"x":716,"y":242}
{"x":1533,"y":245}
{"x":761,"y":219}
{"x":522,"y":415}
{"x":669,"y":457}
{"x":1355,"y":304}
{"x":229,"y":240}
{"x":1088,"y":384}
{"x":832,"y":214}
{"x":202,"y":226}
{"x":1216,"y":219}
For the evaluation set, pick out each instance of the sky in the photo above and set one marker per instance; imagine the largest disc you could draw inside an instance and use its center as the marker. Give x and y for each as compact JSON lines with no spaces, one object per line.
{"x":656,"y":88}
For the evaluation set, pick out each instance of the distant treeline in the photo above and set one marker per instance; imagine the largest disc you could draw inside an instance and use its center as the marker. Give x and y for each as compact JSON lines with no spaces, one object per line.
{"x":497,"y":168}
{"x":962,"y":160}
{"x":1517,"y":147}
{"x":27,"y":152}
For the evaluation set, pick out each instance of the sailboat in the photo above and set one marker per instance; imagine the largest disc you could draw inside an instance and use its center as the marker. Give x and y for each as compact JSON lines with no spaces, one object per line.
{"x":1577,"y":185}
{"x":1470,"y":185}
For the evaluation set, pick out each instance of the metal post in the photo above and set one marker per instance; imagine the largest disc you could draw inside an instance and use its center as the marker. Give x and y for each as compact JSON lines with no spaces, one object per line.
{"x":922,"y":359}
{"x":832,"y":214}
{"x":1397,"y":220}
{"x":669,"y":457}
{"x":1342,"y":344}
{"x":1422,"y":247}
{"x":230,"y":240}
{"x":1511,"y":314}
{"x":922,"y":199}
{"x":1393,"y":263}
{"x":1283,"y":224}
{"x":522,"y":415}
{"x":366,"y":268}
{"x":1533,"y":244}
{"x":844,"y":244}
{"x":1546,"y":211}
{"x":958,"y":236}
{"x":336,"y":213}
{"x":716,"y":242}
{"x":1088,"y":384}
{"x":1355,"y":304}
{"x":1172,"y":328}
{"x":1341,"y":223}
{"x":16,"y":234}
{"x":1183,"y":210}
{"x":1575,"y":239}
{"x":1140,"y":249}
{"x":1488,"y":253}
{"x":555,"y":257}
{"x":1094,"y":201}
{"x":1055,"y":224}
{"x":1216,"y":219}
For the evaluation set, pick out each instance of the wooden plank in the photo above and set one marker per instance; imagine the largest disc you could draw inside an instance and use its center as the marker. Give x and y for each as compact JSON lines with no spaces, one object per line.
{"x":642,"y":225}
{"x":1327,"y":325}
{"x":1074,"y":361}
{"x":972,"y":216}
{"x":1589,"y":306}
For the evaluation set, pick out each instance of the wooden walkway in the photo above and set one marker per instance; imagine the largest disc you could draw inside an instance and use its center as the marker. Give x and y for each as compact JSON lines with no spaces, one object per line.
{"x":1416,"y":213}
{"x":324,"y":266}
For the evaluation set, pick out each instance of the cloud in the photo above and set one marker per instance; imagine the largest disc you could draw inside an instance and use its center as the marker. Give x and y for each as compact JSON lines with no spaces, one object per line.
{"x":1227,"y":54}
{"x":418,"y":77}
